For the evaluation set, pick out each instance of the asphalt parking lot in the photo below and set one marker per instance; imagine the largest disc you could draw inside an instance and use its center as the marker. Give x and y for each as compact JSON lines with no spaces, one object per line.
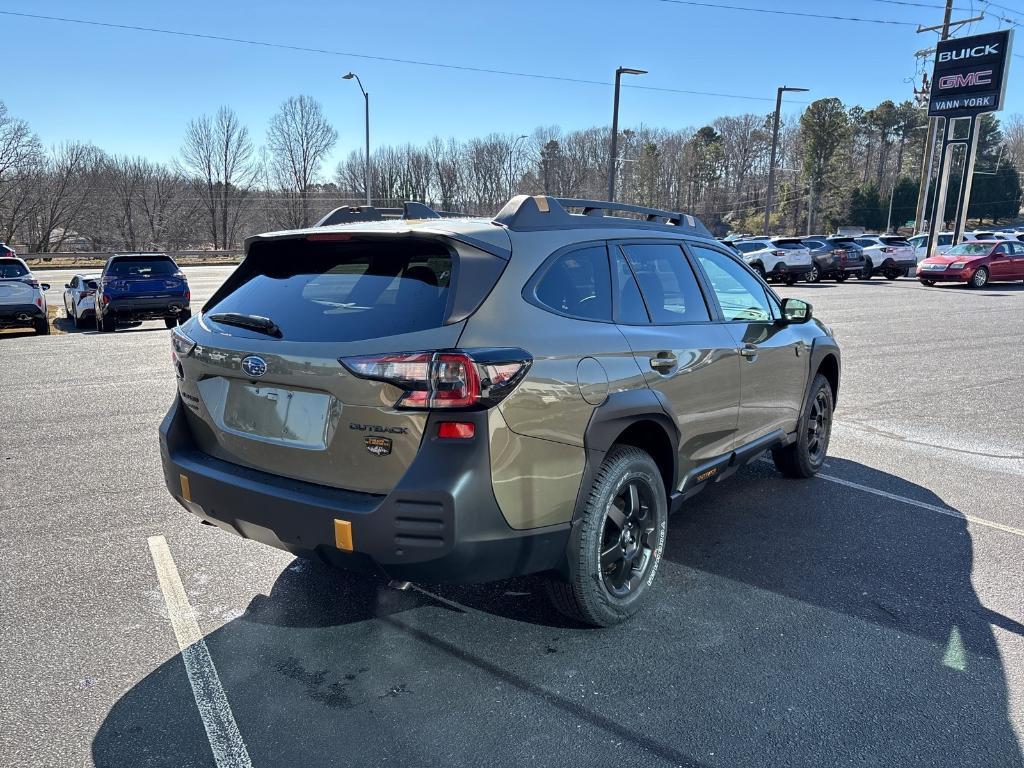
{"x":872,"y":616}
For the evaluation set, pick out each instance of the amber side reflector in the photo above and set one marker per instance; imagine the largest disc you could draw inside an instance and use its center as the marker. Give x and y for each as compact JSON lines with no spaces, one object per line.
{"x":186,"y":492}
{"x":343,"y":535}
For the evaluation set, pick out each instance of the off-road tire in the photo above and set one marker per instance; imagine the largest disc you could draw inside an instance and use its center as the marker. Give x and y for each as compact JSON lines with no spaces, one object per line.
{"x":806,"y":455}
{"x":585,"y":595}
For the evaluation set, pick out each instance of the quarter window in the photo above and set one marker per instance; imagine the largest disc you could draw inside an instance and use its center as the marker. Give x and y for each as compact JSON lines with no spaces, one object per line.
{"x":667,"y":283}
{"x":578,"y":284}
{"x":740,"y":295}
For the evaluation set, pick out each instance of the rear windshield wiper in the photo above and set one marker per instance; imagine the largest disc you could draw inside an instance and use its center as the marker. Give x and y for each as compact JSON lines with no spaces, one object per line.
{"x":249,"y":322}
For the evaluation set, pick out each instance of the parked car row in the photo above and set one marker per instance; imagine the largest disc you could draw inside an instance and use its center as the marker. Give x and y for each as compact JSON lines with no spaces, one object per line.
{"x":132,"y":287}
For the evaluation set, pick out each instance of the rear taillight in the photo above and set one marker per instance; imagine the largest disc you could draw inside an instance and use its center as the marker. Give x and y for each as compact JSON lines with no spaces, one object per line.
{"x":188,"y":295}
{"x":886,"y":249}
{"x":468,"y":379}
{"x":31,"y":283}
{"x":106,"y":299}
{"x":780,"y":253}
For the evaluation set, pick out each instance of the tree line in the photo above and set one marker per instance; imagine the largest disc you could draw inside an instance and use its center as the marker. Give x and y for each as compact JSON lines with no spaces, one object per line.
{"x":836,"y":165}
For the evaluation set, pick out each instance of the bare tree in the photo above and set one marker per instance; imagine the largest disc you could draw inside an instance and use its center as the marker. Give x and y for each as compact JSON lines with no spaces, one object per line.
{"x":219,"y":159}
{"x":63,"y":189}
{"x":20,"y":157}
{"x":299,"y":139}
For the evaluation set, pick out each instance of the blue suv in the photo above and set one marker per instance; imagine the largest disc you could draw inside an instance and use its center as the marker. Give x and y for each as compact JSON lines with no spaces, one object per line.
{"x":141,"y":286}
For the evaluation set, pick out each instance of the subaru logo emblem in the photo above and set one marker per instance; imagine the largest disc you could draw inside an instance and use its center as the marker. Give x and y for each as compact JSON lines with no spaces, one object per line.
{"x":254,"y":366}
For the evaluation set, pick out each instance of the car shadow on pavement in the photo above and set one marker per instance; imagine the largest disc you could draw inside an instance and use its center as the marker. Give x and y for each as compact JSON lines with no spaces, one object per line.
{"x":796,"y":623}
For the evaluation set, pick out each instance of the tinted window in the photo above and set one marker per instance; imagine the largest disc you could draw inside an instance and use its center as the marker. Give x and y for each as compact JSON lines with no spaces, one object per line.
{"x":863,"y":241}
{"x":751,"y":247}
{"x":141,"y":266}
{"x":579,"y":284}
{"x":631,"y":309}
{"x":945,"y":239}
{"x":894,"y":241}
{"x":739,"y":293}
{"x":814,"y":243}
{"x":667,"y":283}
{"x":344,"y":291}
{"x":11,"y":268}
{"x":789,"y":246}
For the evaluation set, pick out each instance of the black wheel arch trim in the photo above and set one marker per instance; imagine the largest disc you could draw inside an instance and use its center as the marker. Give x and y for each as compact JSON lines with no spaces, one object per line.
{"x":822,"y":348}
{"x":607,"y":423}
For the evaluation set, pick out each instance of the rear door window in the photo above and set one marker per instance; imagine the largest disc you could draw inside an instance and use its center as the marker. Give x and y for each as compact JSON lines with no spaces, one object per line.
{"x":578,"y":284}
{"x":669,"y":287}
{"x":348,"y":291}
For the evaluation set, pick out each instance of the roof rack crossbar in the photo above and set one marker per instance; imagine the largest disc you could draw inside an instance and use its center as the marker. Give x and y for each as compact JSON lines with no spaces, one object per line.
{"x":525,"y":212}
{"x":348,"y":214}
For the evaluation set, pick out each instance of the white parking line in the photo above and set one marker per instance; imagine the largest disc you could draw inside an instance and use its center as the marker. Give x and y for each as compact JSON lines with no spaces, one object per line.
{"x":931,"y":507}
{"x":221,"y":729}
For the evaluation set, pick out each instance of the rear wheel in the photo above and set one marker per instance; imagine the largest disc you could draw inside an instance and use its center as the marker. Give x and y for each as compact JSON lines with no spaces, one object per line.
{"x":791,"y":279}
{"x":105,"y":324}
{"x":616,"y":546}
{"x":41,"y":326}
{"x":929,"y":283}
{"x":804,"y":457}
{"x":841,"y":277}
{"x":759,"y":268}
{"x":865,"y":274}
{"x":170,"y":322}
{"x":893,"y":274}
{"x":979,"y":279}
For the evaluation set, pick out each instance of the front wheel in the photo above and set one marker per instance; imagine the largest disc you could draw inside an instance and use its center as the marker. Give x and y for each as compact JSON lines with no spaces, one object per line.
{"x":928,"y":283}
{"x":865,"y":274}
{"x":841,"y":277}
{"x":814,"y":276}
{"x":791,"y":279}
{"x":805,"y":456}
{"x":979,"y":279}
{"x":760,"y":271}
{"x":616,"y":545}
{"x":892,"y":274}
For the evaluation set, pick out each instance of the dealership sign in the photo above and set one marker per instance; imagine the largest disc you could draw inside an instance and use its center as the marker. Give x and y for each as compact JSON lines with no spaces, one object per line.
{"x":970,"y":75}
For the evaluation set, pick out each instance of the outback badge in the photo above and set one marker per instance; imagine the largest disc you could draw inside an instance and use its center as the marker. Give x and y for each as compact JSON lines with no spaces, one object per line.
{"x":378,"y":446}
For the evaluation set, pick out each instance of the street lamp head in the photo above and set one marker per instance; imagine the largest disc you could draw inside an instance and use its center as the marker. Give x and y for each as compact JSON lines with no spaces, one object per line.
{"x":631,"y":71}
{"x":349,"y":76}
{"x":787,"y":89}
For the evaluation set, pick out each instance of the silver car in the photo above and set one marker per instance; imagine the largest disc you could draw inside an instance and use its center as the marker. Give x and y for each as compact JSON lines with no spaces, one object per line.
{"x":80,"y":298}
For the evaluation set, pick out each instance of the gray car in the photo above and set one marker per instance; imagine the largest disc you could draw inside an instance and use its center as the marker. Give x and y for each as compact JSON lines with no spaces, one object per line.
{"x":470,"y":399}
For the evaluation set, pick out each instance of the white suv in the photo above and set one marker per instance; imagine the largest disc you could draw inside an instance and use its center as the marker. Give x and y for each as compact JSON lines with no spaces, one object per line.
{"x":943,"y":242}
{"x":778,"y":258}
{"x":22,"y":297}
{"x":889,"y":255}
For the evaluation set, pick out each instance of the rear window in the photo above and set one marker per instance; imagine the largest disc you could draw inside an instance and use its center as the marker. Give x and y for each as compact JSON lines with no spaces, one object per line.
{"x":894,"y":241}
{"x":789,"y":246}
{"x":12,"y":268}
{"x":343,"y":291}
{"x":141,"y":266}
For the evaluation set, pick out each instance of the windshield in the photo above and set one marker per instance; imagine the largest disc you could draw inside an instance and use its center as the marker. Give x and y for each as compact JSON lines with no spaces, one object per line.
{"x":12,"y":268}
{"x":970,"y":249}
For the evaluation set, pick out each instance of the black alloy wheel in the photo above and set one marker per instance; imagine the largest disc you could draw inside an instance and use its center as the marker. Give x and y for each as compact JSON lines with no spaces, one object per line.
{"x":629,"y":538}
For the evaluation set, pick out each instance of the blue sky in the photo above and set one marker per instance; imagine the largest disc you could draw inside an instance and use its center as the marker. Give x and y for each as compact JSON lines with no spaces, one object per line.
{"x":133,"y":92}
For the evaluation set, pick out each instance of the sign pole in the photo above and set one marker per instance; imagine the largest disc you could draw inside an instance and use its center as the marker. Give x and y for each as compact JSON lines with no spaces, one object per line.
{"x":966,"y":182}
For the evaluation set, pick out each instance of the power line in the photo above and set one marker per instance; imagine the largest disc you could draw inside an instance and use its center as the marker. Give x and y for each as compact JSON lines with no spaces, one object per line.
{"x":777,"y":12}
{"x":370,"y":57}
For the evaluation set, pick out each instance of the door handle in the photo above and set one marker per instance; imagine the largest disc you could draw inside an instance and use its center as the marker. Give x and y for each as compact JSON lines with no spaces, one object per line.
{"x":749,"y":352}
{"x":664,"y":362}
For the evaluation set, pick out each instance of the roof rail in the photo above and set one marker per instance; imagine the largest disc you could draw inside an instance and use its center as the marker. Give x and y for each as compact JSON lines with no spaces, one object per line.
{"x":526,"y":212}
{"x":348,"y":214}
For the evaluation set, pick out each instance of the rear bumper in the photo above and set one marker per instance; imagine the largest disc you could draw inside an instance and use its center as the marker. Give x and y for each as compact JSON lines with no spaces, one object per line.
{"x":441,"y":522}
{"x":19,"y":315}
{"x":145,"y":309}
{"x":790,"y":270}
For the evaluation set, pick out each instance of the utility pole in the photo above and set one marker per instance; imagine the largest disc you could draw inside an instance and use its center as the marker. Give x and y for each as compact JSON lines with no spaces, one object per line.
{"x":775,"y":146}
{"x":933,"y":124}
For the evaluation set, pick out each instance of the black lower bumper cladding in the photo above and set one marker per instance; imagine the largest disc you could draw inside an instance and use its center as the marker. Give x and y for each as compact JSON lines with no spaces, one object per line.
{"x":441,"y":523}
{"x":17,"y":315}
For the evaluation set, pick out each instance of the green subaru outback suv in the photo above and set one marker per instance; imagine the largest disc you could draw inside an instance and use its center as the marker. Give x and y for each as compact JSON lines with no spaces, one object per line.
{"x":462,"y":399}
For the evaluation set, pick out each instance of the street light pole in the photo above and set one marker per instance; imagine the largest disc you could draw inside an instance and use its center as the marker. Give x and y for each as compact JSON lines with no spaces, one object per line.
{"x":775,"y":147}
{"x":615,"y":127}
{"x":366,"y":97}
{"x":511,"y":162}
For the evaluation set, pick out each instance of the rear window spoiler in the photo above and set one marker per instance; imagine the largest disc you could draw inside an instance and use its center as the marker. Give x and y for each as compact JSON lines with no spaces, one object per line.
{"x":350,"y":214}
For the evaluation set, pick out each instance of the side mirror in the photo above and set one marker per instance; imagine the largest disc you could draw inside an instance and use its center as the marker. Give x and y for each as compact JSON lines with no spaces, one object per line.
{"x":67,"y":285}
{"x":45,"y":286}
{"x":795,"y":311}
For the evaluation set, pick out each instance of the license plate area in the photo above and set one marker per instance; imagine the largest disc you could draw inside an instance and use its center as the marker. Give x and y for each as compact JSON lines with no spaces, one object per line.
{"x":277,"y":414}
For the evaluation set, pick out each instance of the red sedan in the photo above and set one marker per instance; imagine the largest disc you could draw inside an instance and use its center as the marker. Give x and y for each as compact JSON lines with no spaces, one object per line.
{"x":976,"y":263}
